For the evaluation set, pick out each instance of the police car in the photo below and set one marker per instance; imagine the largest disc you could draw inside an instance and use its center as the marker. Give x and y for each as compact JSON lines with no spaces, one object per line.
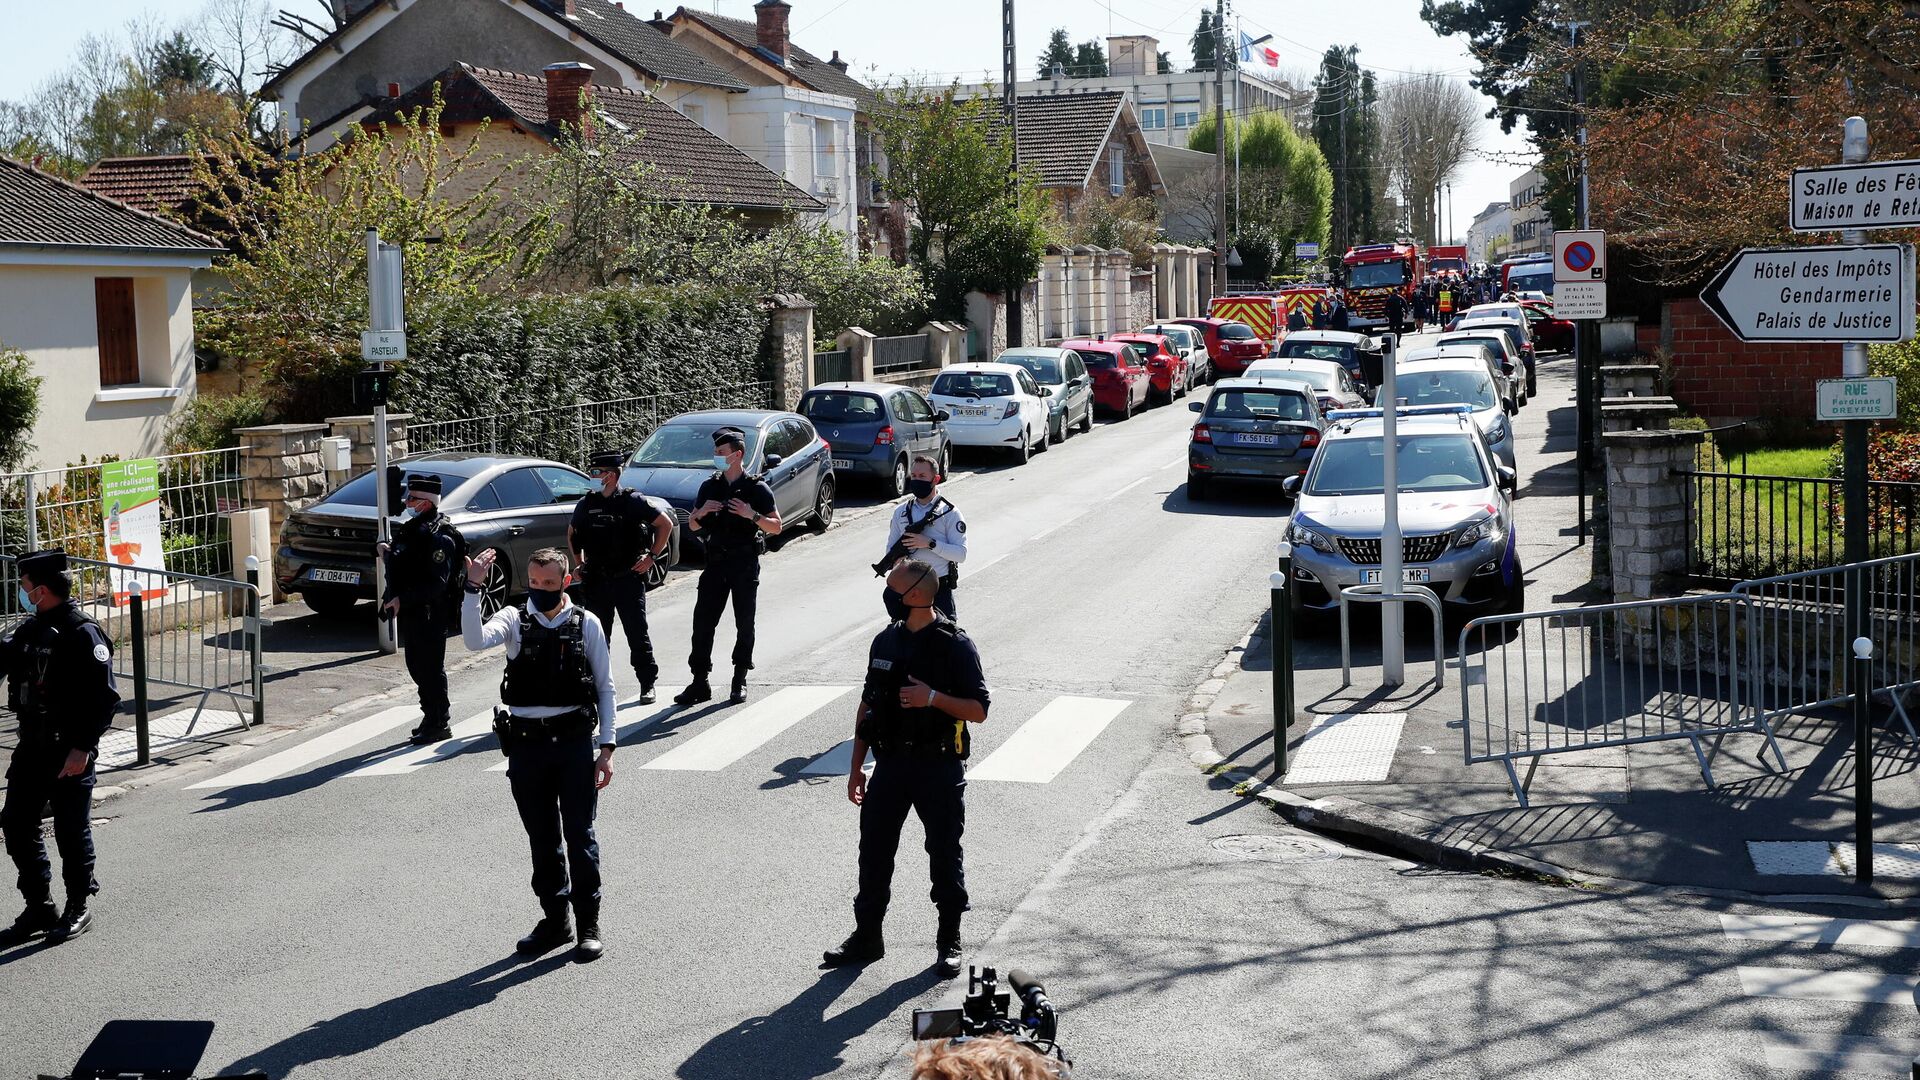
{"x":1456,"y":512}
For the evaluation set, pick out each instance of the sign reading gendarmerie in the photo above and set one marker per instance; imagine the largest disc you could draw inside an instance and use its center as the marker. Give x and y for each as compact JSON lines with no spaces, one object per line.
{"x":1877,"y":195}
{"x":1856,"y":399}
{"x":1841,"y":293}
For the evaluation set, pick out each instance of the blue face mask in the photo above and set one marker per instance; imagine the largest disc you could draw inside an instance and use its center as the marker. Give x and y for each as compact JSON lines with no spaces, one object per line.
{"x":26,"y":598}
{"x":720,"y":462}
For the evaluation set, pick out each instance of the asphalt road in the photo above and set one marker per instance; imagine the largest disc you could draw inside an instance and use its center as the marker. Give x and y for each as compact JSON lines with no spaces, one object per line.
{"x":342,"y":925}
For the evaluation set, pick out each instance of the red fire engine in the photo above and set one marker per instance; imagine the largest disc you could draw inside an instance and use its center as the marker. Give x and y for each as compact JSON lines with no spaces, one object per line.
{"x":1374,"y":271}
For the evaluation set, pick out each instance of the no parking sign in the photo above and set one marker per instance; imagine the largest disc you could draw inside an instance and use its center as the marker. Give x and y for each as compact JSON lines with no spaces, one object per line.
{"x":1579,"y":255}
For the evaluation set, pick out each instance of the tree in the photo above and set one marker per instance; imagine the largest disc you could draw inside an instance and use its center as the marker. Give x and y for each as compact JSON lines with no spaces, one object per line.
{"x":1206,"y":42}
{"x":19,"y":407}
{"x":1285,"y":190}
{"x":1128,"y":222}
{"x":1089,"y":61}
{"x":1059,"y":53}
{"x":1433,"y":126}
{"x":1164,"y":64}
{"x":245,"y":44}
{"x":1347,"y":129}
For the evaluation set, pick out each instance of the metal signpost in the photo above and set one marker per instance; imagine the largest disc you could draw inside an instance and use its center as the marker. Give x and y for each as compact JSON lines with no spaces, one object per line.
{"x":1393,"y":643}
{"x":1580,"y":294}
{"x":384,"y":341}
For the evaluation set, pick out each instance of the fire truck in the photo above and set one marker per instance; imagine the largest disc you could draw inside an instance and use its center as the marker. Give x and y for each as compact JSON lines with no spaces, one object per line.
{"x":1267,"y":313}
{"x":1373,"y":271}
{"x":1447,"y":260}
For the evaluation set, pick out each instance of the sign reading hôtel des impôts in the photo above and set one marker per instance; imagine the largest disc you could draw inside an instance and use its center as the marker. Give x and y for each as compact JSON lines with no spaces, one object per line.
{"x":1846,"y":293}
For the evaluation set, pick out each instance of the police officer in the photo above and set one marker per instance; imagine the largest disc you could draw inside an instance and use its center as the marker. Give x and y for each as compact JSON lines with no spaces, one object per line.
{"x":928,"y":529}
{"x":558,"y":692}
{"x":59,"y":670}
{"x":924,"y":687}
{"x":1320,"y":314}
{"x":1296,"y":320}
{"x":735,"y":513}
{"x":616,"y":537}
{"x":1396,"y":314}
{"x":420,"y":566}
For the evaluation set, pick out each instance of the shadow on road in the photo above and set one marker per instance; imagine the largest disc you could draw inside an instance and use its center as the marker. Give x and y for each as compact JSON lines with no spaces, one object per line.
{"x":798,"y":1040}
{"x":1231,"y":498}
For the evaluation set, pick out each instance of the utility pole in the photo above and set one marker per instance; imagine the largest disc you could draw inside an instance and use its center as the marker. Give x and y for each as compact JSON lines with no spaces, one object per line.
{"x":384,"y":313}
{"x":1220,"y":147}
{"x":1584,"y":330}
{"x":1343,"y":189}
{"x":1855,"y":149}
{"x":1016,"y":316}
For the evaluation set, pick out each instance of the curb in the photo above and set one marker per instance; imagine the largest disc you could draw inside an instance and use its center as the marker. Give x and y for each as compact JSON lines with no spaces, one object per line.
{"x":1338,"y":816}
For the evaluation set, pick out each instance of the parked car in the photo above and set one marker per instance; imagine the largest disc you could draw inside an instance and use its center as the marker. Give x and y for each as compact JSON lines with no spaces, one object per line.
{"x":1462,"y":380}
{"x":1070,"y":404}
{"x":1360,"y":354}
{"x":1503,"y":309}
{"x":874,"y":430}
{"x":1515,"y":327}
{"x":1169,"y":371}
{"x":782,"y":447}
{"x":1251,"y":429}
{"x":998,"y":406}
{"x":1231,"y":345}
{"x":1120,"y":380}
{"x":1550,"y":334}
{"x":1332,"y":386}
{"x":504,"y":503}
{"x":1458,"y":534}
{"x":1193,"y":346}
{"x":1508,"y":381}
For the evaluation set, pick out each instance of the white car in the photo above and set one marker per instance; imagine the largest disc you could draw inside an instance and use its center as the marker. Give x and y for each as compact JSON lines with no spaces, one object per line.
{"x":1462,"y":380}
{"x":998,"y":406}
{"x":1509,"y":386}
{"x":1331,"y":383}
{"x":1192,"y":345}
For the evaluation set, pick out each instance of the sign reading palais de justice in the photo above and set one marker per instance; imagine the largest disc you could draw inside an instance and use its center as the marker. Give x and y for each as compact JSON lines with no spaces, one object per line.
{"x":1852,"y":293}
{"x":1876,"y":195}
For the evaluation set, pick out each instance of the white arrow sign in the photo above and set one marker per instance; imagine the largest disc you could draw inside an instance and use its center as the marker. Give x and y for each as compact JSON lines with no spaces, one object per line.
{"x":1841,"y":293}
{"x":1877,"y":195}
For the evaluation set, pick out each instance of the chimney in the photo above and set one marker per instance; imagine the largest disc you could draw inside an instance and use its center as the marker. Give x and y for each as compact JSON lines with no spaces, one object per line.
{"x":565,"y":85}
{"x":1059,"y":72}
{"x":837,"y":62}
{"x":393,"y":89}
{"x":770,"y":18}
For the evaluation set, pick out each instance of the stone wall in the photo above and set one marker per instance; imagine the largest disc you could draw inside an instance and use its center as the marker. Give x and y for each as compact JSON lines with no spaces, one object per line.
{"x":790,"y":348}
{"x":1647,"y":526}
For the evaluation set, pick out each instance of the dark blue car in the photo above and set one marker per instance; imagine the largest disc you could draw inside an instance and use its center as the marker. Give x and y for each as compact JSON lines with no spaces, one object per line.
{"x":782,"y":447}
{"x":876,"y":429}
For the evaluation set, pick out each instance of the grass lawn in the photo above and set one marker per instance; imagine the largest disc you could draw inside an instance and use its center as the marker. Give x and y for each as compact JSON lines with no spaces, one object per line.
{"x":1757,"y":528}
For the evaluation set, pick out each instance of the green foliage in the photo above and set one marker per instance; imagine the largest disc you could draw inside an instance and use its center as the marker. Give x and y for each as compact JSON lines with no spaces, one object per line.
{"x":1347,"y":129}
{"x":1286,"y":190}
{"x":1089,"y":60}
{"x":19,"y":407}
{"x":1206,"y":42}
{"x":1059,"y":51}
{"x":1902,"y":362}
{"x":1130,"y":222}
{"x":1163,"y":64}
{"x":208,"y":422}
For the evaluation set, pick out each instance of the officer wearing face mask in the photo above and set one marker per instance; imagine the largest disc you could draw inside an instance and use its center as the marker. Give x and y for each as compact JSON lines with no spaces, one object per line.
{"x":928,"y":529}
{"x":422,"y":559}
{"x":734,"y":513}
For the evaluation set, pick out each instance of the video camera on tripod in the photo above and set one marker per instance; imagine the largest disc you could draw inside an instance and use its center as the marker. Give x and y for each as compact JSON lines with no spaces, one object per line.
{"x":984,"y":1013}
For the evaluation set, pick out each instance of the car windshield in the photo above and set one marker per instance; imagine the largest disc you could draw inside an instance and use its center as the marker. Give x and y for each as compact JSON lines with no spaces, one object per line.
{"x":1508,"y":330}
{"x":686,"y":446}
{"x":1314,"y":377}
{"x":1258,"y":405}
{"x":1445,"y":388}
{"x":1531,"y":279}
{"x":1234,"y":331}
{"x":1425,"y":463}
{"x":973,"y":384}
{"x":1495,"y":342}
{"x":842,"y":407}
{"x":1044,"y":369}
{"x":1181,"y":336}
{"x":1317,"y":350}
{"x":360,"y":491}
{"x":1097,"y":361}
{"x":1371,"y":275}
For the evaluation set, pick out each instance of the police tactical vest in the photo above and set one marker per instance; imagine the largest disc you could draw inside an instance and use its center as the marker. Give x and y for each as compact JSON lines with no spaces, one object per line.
{"x":615,"y":531}
{"x":921,"y":730}
{"x":43,"y":667}
{"x":551,"y":667}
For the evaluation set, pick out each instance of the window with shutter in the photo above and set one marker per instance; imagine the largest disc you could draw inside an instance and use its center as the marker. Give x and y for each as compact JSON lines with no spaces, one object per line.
{"x":119,"y":346}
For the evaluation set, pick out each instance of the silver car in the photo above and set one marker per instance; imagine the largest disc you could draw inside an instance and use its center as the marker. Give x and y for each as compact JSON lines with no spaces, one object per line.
{"x":1507,"y":385}
{"x":1456,"y":513}
{"x":1461,"y":381}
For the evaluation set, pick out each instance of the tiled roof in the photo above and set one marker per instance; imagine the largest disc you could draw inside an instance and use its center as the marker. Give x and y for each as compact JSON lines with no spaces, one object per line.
{"x":38,"y":210}
{"x":156,"y":184}
{"x":691,"y":164}
{"x":816,"y":73}
{"x":1062,"y":134}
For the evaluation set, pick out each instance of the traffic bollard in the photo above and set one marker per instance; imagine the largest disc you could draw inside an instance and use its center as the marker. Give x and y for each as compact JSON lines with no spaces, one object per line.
{"x":254,"y":633}
{"x":1863,"y":760}
{"x":138,"y":621}
{"x":1280,"y":651}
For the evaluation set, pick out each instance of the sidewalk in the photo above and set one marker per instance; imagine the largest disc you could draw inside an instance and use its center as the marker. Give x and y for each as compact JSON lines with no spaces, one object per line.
{"x":1392,"y":767}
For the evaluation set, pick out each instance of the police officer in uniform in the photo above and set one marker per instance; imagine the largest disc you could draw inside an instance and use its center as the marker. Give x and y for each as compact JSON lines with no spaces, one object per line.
{"x":1396,"y":313}
{"x":616,"y":537}
{"x":558,"y":692}
{"x":59,"y":670}
{"x":928,"y":529}
{"x":420,"y":566}
{"x":735,"y":513}
{"x":924,"y":687}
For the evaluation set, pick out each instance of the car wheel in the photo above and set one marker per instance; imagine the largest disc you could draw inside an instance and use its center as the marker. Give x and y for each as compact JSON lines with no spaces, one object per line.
{"x":1186,"y":384}
{"x":897,"y":479}
{"x":1022,"y":451}
{"x":1057,"y":432}
{"x":1515,"y":598}
{"x":655,"y":576}
{"x":332,"y":603}
{"x":946,"y":459}
{"x":822,"y":517}
{"x":494,"y":590}
{"x":1086,"y":419}
{"x":1196,"y":487}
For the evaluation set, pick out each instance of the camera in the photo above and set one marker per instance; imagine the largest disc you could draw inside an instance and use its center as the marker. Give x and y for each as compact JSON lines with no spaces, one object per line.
{"x":984,"y":1012}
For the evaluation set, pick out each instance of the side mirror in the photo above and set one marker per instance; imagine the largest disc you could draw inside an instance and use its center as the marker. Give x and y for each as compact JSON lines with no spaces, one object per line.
{"x":1197,"y":406}
{"x":1046,"y":391}
{"x":1509,"y":480}
{"x":942,"y":416}
{"x":774,"y":460}
{"x":1291,"y":484}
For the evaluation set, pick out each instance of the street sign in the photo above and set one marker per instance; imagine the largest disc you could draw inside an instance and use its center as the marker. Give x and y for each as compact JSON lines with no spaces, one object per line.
{"x":1856,"y":399}
{"x":1580,"y":300}
{"x":1306,"y":251}
{"x":1877,"y":195}
{"x":1846,"y":293}
{"x":1579,"y":255}
{"x":383,"y":345}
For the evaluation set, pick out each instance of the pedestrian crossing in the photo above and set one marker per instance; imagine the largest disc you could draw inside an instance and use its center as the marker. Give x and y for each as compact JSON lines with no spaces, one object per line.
{"x":1036,"y":748}
{"x":1784,"y":940}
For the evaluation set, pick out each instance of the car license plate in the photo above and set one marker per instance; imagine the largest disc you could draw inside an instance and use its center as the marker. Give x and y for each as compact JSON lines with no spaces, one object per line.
{"x":337,"y":577}
{"x":840,"y":463}
{"x":1259,"y":440}
{"x":970,"y":410}
{"x":1409,"y":575}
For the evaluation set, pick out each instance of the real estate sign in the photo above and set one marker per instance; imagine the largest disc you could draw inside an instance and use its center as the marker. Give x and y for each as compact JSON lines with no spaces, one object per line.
{"x":130,"y":507}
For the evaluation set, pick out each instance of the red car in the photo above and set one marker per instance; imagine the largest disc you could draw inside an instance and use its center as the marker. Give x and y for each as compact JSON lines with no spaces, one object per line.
{"x":1172,"y":375}
{"x":1232,"y":345}
{"x":1550,"y":334}
{"x":1120,"y":377}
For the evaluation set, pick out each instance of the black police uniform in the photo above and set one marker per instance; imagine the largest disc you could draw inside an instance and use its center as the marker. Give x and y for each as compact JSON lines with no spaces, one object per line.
{"x":919,"y":757}
{"x":612,"y":532}
{"x":1396,"y":314}
{"x":420,"y":563}
{"x":59,"y":670}
{"x":734,"y":545}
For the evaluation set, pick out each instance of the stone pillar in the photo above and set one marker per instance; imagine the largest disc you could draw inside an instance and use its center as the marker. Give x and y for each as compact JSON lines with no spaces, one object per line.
{"x":944,"y":342}
{"x":1637,"y":414}
{"x":1649,"y":552}
{"x":1055,"y":297}
{"x":1119,"y":291}
{"x":1203,"y":280}
{"x":358,"y":430}
{"x":1163,"y":287}
{"x":790,"y":359}
{"x":1630,"y":380}
{"x":252,"y":535}
{"x":280,"y":465}
{"x":1085,"y":314}
{"x":859,"y":343}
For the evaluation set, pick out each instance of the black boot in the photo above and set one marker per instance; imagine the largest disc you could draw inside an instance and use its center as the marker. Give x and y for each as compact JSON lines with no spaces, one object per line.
{"x":587,"y":947}
{"x":696,"y":693}
{"x":646,"y":692}
{"x":551,"y":932}
{"x":739,"y":685}
{"x":863,"y":946}
{"x":946,"y":944}
{"x":76,"y":920}
{"x":431,"y":732}
{"x":38,"y":919}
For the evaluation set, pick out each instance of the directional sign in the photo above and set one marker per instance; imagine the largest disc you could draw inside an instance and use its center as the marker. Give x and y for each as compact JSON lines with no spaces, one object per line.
{"x":383,"y":345}
{"x":1877,"y":195}
{"x":1839,"y":293}
{"x":1580,"y":255}
{"x":1857,"y":399}
{"x":1580,"y":300}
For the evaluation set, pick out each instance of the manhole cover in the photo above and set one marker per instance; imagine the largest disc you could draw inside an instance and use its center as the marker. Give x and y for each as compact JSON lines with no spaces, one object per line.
{"x":1274,"y":848}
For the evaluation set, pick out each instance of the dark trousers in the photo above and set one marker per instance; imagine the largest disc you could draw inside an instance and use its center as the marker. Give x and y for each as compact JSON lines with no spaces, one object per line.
{"x":33,"y":780}
{"x":625,"y":596}
{"x":935,"y":787}
{"x":942,"y":602}
{"x":725,"y":576}
{"x":423,"y":637}
{"x":552,"y":782}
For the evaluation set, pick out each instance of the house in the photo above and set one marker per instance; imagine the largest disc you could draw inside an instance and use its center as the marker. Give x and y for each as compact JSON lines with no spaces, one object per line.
{"x":1085,"y":142}
{"x":100,"y":298}
{"x":524,"y":114}
{"x":1531,"y":225}
{"x":160,"y":184}
{"x":1488,"y":236}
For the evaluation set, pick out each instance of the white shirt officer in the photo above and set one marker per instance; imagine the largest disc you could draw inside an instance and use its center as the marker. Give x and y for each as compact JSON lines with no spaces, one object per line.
{"x":943,"y":543}
{"x":504,"y":629}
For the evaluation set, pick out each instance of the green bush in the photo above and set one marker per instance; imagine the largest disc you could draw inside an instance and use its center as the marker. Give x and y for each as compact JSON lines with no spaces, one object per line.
{"x":207,"y":423}
{"x":19,"y":407}
{"x":1901,"y":361}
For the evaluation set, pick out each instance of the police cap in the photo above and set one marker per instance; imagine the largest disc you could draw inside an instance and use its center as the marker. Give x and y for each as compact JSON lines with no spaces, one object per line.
{"x":607,"y":459}
{"x":41,"y":565}
{"x":730,"y":436}
{"x":425,"y":483}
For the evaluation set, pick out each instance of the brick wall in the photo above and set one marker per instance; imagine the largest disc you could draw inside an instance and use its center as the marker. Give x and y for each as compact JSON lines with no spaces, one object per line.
{"x":1717,"y":376}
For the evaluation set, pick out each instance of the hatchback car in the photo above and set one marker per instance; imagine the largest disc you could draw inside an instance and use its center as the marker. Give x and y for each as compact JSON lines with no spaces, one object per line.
{"x":503,"y":503}
{"x":782,"y":447}
{"x":1457,"y":523}
{"x":1251,"y":429}
{"x":1192,"y":344}
{"x":1506,"y":359}
{"x":1334,"y":388}
{"x":1515,"y":327}
{"x":1169,"y":371}
{"x":1120,"y":379}
{"x":874,"y":430}
{"x":997,"y":406}
{"x":1359,"y":353}
{"x":1461,"y":380}
{"x":1231,"y":345}
{"x":1061,"y":371}
{"x":1506,"y":387}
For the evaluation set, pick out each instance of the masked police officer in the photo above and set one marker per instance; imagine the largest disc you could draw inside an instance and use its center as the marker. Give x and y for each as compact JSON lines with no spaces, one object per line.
{"x":735,"y":513}
{"x":558,"y":692}
{"x":617,"y":537}
{"x":924,"y":686}
{"x":928,"y":529}
{"x":421,"y":561}
{"x":59,"y":670}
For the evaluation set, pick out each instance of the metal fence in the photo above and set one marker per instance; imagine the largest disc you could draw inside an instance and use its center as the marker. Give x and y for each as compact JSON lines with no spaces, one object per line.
{"x":61,"y":508}
{"x":571,"y":433}
{"x":834,"y":365}
{"x":910,"y":352}
{"x":1742,"y":525}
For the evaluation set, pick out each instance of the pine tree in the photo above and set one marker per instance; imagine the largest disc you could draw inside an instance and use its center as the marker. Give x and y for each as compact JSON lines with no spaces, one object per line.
{"x":1165,"y":65}
{"x":1205,"y":42}
{"x":1089,"y":61}
{"x":1059,"y":51}
{"x":1344,"y":98}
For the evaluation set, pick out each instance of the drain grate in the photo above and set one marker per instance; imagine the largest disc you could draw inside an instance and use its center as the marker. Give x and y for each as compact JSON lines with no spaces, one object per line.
{"x":1267,"y":848}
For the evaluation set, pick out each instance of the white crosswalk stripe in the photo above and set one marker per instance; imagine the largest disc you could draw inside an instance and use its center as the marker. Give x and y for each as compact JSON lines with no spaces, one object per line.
{"x":746,"y":730}
{"x":1826,"y":1051}
{"x":629,"y":723}
{"x":835,"y":762}
{"x":316,"y":749}
{"x":1040,"y":748}
{"x":1808,"y":984}
{"x":474,"y":729}
{"x":1819,"y":1052}
{"x":1817,"y":931}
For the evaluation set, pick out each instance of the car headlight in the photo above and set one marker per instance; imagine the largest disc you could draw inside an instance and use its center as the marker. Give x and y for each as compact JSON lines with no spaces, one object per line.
{"x":1497,"y":431}
{"x":1300,"y":534}
{"x":1485,"y":529}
